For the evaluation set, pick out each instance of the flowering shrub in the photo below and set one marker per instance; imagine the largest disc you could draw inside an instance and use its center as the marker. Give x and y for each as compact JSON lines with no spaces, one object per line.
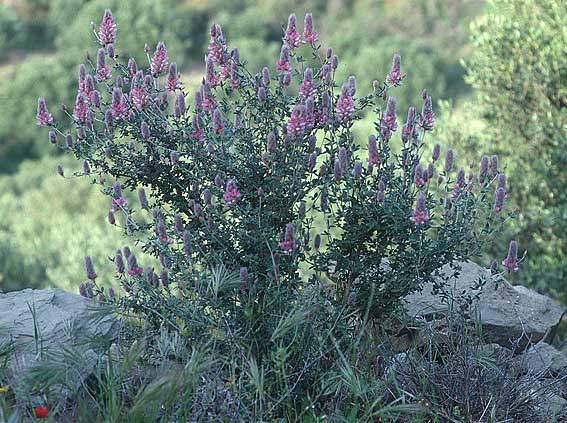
{"x":259,"y":190}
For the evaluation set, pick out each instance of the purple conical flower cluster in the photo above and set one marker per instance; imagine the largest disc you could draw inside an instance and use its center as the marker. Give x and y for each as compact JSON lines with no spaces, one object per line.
{"x":511,"y":261}
{"x":44,"y":118}
{"x":232,"y":193}
{"x":395,"y":76}
{"x":289,"y":243}
{"x":420,"y":214}
{"x":344,"y":110}
{"x":102,"y":71}
{"x":297,"y":123}
{"x":159,"y":60}
{"x":283,"y":64}
{"x":291,"y":36}
{"x":388,"y":123}
{"x":307,"y":87}
{"x":173,"y":82}
{"x":118,"y":105}
{"x":107,"y":28}
{"x":427,"y":117}
{"x":309,"y":35}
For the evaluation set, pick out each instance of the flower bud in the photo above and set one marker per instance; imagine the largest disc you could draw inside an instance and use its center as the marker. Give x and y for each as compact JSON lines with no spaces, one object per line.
{"x":449,"y":160}
{"x":187,"y":244}
{"x":337,"y":171}
{"x":335,"y":62}
{"x":511,"y":261}
{"x":111,"y":218}
{"x":343,"y":158}
{"x":262,"y":94}
{"x":494,"y":166}
{"x":244,"y":274}
{"x":164,"y":278}
{"x":499,"y":197}
{"x":174,"y":157}
{"x":324,"y":201}
{"x":301,"y":210}
{"x":483,"y":169}
{"x":436,"y":152}
{"x":119,"y":262}
{"x":60,"y":171}
{"x":266,"y":76}
{"x":271,"y":142}
{"x":143,"y":199}
{"x":144,"y":130}
{"x":501,"y":181}
{"x":494,"y":267}
{"x":357,"y":171}
{"x":89,"y":269}
{"x":52,"y":137}
{"x":178,"y":224}
{"x":317,"y":241}
{"x":179,"y":108}
{"x":207,"y":196}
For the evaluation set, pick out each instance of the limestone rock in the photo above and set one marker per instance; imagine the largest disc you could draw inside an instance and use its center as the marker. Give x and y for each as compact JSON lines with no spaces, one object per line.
{"x":542,"y":358}
{"x":505,"y":312}
{"x":43,"y":325}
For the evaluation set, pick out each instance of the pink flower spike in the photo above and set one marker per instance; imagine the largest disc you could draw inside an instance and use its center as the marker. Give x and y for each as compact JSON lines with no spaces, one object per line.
{"x":395,"y":76}
{"x":82,"y":77}
{"x":173,"y":82}
{"x":217,"y":47}
{"x":307,"y":88}
{"x":44,"y":118}
{"x":102,"y":71}
{"x":81,"y":109}
{"x":373,"y":157}
{"x":218,"y":125}
{"x":159,"y":60}
{"x":344,"y":110}
{"x":388,"y":123}
{"x":210,"y":76}
{"x":297,"y":122}
{"x":309,"y":36}
{"x":283,"y":64}
{"x":232,"y":193}
{"x":427,"y":117}
{"x":292,"y":37}
{"x":107,"y":28}
{"x":288,"y":244}
{"x":420,"y":214}
{"x":511,"y":261}
{"x":118,"y":106}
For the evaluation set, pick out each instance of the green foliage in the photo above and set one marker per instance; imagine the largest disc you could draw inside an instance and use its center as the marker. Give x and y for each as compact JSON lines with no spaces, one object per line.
{"x":424,"y":67}
{"x":17,"y":110}
{"x":45,"y":232}
{"x":519,"y":68}
{"x":146,"y":21}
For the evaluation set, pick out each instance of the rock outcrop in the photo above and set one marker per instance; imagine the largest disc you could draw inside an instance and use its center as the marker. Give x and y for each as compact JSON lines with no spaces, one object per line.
{"x":42,"y":325}
{"x":506,"y":312}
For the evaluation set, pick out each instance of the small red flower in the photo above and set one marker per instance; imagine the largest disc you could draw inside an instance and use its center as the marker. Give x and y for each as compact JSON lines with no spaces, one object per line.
{"x":41,"y":412}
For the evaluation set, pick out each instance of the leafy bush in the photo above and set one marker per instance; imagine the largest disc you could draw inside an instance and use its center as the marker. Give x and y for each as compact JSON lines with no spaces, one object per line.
{"x":262,"y":179}
{"x":519,"y":69}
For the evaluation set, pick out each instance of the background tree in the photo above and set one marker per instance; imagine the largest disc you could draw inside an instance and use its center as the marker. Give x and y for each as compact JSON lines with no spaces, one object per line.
{"x":519,"y":69}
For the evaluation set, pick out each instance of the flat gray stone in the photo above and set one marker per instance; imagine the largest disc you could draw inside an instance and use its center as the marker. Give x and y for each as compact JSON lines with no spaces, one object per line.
{"x":42,"y":324}
{"x":542,"y":357}
{"x":505,"y":312}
